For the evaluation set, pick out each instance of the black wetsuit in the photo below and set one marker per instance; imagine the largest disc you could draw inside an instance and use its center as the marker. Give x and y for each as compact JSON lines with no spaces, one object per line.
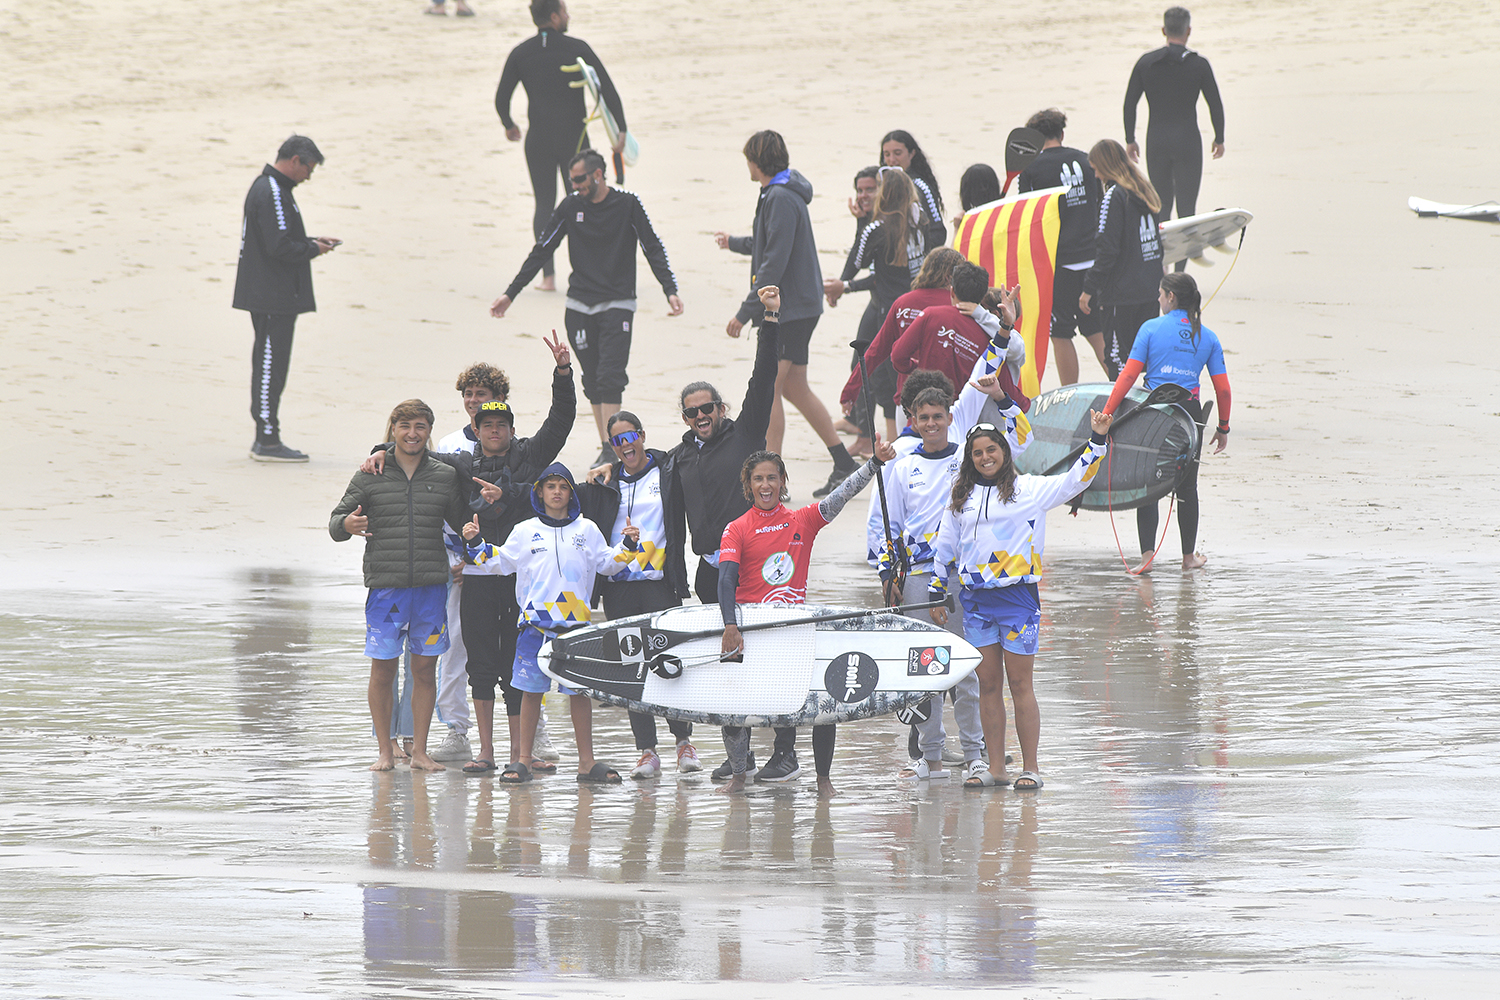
{"x":1172,"y":77}
{"x":555,"y":111}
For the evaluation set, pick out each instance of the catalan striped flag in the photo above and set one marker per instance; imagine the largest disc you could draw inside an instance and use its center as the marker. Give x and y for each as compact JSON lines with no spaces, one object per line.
{"x":1015,"y":239}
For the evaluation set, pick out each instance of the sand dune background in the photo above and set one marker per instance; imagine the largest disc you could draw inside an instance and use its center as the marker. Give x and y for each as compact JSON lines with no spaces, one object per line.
{"x":1359,"y":337}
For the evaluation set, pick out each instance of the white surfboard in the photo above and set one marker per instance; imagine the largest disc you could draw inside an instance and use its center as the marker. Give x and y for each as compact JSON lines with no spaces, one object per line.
{"x":836,"y":670}
{"x":1186,"y":239}
{"x":1487,"y":212}
{"x":590,"y":80}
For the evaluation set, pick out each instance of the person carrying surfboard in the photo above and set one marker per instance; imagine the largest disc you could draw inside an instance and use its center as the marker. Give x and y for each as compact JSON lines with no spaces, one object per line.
{"x":775,"y":544}
{"x":555,"y":557}
{"x":989,"y":546}
{"x":1174,"y":349}
{"x":633,"y":492}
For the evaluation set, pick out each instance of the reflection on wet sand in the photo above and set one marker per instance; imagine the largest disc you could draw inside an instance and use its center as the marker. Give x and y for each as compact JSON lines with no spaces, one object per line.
{"x":1242,"y":768}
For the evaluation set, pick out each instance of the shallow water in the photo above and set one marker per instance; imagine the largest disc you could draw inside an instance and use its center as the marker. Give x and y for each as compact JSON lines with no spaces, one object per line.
{"x":1266,"y":764}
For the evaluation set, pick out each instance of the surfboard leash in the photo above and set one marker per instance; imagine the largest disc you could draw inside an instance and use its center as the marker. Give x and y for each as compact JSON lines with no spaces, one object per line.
{"x":1228,"y":272}
{"x":1171,"y":504}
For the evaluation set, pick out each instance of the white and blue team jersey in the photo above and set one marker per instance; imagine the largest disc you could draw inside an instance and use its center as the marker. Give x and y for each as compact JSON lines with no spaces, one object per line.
{"x":641,"y":505}
{"x":926,"y":493}
{"x":554,"y":566}
{"x":991,"y":543}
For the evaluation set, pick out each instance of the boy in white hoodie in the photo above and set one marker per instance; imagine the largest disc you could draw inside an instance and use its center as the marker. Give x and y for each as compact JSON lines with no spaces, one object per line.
{"x":555,"y":557}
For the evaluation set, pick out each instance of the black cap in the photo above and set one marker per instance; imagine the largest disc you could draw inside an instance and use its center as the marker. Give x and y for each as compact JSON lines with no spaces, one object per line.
{"x":495,"y":406}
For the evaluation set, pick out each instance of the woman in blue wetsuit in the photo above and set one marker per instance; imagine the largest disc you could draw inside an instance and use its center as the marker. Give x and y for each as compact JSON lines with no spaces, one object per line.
{"x":1175,"y":348}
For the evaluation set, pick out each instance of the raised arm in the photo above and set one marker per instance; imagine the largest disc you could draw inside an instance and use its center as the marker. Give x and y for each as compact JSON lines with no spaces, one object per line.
{"x":1054,"y":491}
{"x":830,"y":506}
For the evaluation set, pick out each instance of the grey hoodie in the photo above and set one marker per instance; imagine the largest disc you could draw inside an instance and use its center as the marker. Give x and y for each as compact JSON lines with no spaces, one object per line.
{"x":782,"y":251}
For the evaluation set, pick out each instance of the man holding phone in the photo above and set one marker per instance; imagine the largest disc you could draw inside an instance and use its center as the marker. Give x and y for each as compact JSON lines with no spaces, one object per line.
{"x":274,"y":285}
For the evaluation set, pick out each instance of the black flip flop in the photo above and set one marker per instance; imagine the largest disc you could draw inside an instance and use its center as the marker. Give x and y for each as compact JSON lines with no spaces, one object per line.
{"x":515,"y":774}
{"x":600,"y":774}
{"x":479,"y":765}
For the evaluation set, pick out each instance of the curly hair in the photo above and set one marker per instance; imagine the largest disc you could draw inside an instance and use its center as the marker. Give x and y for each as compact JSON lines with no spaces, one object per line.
{"x":924,"y":378}
{"x":968,"y":476}
{"x":483,"y":376}
{"x":755,"y":459}
{"x":937,"y":268}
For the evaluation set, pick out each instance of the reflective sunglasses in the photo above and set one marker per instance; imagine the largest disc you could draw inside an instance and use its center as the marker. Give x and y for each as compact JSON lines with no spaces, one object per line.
{"x":689,"y":412}
{"x":624,"y":438}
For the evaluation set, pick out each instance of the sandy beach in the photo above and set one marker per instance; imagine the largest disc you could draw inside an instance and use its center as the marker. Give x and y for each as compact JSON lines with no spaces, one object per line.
{"x":1354,"y":330}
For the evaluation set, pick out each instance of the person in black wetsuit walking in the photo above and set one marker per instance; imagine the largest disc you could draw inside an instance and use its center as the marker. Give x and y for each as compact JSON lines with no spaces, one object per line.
{"x":555,"y":110}
{"x":1172,"y":77}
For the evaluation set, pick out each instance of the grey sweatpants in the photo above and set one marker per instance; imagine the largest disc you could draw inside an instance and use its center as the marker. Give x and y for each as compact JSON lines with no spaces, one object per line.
{"x":965,"y":694}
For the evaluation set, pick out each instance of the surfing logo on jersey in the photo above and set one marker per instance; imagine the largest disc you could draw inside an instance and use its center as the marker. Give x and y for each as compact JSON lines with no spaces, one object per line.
{"x":777,"y":569}
{"x":851,"y":677}
{"x":928,"y":661}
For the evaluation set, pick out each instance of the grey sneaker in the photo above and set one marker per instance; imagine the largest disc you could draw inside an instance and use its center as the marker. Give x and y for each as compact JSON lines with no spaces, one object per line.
{"x":835,"y":477}
{"x":724,"y":772}
{"x":606,"y":454}
{"x":541,"y":745}
{"x":455,"y":746}
{"x":277,"y":452}
{"x":781,"y":767}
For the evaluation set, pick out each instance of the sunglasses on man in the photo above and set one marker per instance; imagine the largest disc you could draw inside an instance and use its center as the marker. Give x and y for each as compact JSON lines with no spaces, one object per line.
{"x":707,"y":409}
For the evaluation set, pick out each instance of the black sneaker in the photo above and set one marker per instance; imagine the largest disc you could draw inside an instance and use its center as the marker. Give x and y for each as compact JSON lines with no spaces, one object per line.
{"x":781,"y":767}
{"x":724,"y":772}
{"x":606,"y":455}
{"x":277,"y":452}
{"x":835,"y":477}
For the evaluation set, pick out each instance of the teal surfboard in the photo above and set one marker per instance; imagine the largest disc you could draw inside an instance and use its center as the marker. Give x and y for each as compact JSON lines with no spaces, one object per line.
{"x":1150,"y":446}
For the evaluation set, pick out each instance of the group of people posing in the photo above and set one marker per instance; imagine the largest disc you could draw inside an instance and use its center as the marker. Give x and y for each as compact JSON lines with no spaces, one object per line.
{"x":481,"y":548}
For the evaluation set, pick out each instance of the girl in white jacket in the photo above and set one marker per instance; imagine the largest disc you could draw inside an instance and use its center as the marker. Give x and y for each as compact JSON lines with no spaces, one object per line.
{"x":991,"y":538}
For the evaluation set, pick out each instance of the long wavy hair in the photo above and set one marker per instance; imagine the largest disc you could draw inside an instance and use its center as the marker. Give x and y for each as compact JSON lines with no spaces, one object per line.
{"x":1113,"y":167}
{"x":757,"y":457}
{"x":968,"y":476}
{"x":919,"y":166}
{"x":937,"y":268}
{"x":893,"y":204}
{"x":1181,"y":286}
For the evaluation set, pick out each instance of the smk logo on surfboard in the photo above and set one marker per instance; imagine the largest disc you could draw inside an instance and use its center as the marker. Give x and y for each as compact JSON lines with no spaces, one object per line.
{"x":928,"y":661}
{"x":851,"y":677}
{"x":777,"y":569}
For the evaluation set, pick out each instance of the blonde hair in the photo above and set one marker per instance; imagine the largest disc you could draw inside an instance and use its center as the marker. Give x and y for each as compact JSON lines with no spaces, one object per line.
{"x":1112,"y":165}
{"x":893,"y":201}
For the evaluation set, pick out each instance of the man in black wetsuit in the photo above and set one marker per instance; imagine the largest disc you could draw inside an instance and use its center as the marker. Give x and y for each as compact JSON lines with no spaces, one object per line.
{"x":603,"y":225}
{"x":1171,"y":77}
{"x":555,"y":110}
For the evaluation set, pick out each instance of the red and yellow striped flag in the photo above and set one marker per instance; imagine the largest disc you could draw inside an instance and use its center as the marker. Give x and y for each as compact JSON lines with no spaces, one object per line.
{"x":1015,"y":239}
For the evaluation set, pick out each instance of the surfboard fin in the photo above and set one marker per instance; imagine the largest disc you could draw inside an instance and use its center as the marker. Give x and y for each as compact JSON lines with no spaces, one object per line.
{"x":1201,"y":261}
{"x":1223,"y":248}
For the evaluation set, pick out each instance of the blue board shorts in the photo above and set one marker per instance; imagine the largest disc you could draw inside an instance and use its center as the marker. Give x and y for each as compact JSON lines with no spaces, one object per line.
{"x":527,"y":676}
{"x":420,"y":613}
{"x":1010,"y":616}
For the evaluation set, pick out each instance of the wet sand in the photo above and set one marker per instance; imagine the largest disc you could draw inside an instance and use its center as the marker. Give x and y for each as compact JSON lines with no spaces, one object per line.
{"x":1240,"y":779}
{"x":1275,"y":776}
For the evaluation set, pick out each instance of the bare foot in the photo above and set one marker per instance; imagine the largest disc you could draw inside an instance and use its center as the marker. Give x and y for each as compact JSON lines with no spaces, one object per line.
{"x":397,"y":753}
{"x":734,"y":786}
{"x":385,"y":763}
{"x":1194,"y":561}
{"x":421,"y":762}
{"x":845,"y":427}
{"x":825,"y":788}
{"x":1145,"y":565}
{"x":862,"y":448}
{"x":546,"y":285}
{"x":463,"y":9}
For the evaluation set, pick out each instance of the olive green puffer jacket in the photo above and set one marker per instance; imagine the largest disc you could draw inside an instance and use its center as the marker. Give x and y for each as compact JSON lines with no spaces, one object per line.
{"x":406,"y":522}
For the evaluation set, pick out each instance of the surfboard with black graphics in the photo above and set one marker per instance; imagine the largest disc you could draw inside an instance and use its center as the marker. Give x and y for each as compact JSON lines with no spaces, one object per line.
{"x":853,"y":665}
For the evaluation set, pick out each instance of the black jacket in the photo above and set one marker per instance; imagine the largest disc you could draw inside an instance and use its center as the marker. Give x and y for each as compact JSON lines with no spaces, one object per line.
{"x":705,"y":481}
{"x":601,"y":248}
{"x":517,"y":469}
{"x":1127,"y":252}
{"x":274,"y":275}
{"x":601,"y":504}
{"x":1078,"y":210}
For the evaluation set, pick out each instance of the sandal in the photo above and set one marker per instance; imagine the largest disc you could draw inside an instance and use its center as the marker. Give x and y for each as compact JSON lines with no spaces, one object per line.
{"x":600,"y":774}
{"x":515,"y":774}
{"x":1032,"y":779}
{"x":539,"y":766}
{"x":921,"y":770}
{"x":977,"y":774}
{"x":479,"y":765}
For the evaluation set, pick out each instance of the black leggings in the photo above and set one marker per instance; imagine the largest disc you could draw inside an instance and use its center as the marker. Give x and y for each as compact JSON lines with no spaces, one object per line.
{"x":1174,"y":162}
{"x":639,"y":597}
{"x":1146,"y":518}
{"x":547,"y":157}
{"x":488,"y":612}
